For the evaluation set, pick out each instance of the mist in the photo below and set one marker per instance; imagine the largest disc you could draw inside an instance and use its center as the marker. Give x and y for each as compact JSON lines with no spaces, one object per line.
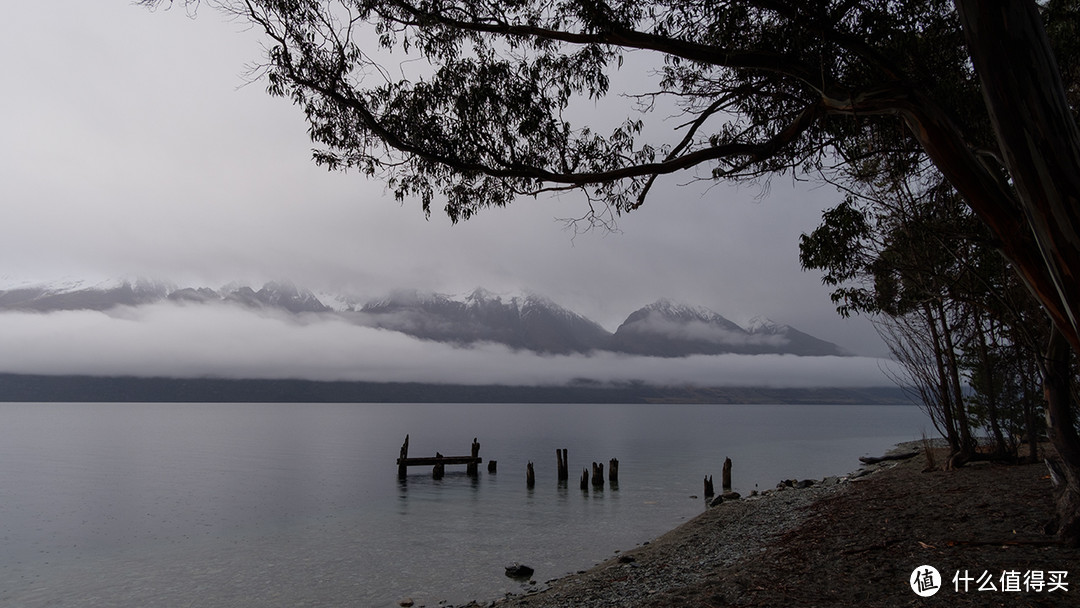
{"x":227,"y":341}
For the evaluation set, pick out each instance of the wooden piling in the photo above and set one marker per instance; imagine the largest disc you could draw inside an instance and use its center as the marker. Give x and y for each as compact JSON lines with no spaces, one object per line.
{"x":402,"y":468}
{"x":613,"y":471}
{"x":584,"y":479}
{"x":530,"y":475}
{"x":709,"y":492}
{"x":597,"y":475}
{"x":439,"y":469}
{"x":492,"y":465}
{"x":471,"y":468}
{"x":564,"y":465}
{"x":726,"y":479}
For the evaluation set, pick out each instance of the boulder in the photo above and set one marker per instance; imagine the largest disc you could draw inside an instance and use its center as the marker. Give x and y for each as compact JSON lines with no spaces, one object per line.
{"x":517,"y":570}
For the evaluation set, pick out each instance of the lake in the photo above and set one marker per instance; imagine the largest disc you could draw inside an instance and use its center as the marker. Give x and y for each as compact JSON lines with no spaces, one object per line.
{"x":110,"y":504}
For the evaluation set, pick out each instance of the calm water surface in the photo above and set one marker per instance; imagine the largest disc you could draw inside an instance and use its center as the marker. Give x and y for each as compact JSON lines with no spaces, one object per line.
{"x":300,"y":505}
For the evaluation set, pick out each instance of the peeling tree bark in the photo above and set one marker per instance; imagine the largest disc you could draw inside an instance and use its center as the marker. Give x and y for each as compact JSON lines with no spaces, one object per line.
{"x":1038,"y":137}
{"x":1040,"y":144}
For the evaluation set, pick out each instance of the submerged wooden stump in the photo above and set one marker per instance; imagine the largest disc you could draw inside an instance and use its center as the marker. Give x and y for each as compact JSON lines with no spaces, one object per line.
{"x":726,"y":479}
{"x":439,"y":469}
{"x":597,"y":475}
{"x":492,"y":465}
{"x":563,"y":463}
{"x":530,"y":475}
{"x":402,"y":468}
{"x":613,"y":472}
{"x":584,"y":479}
{"x":471,"y":468}
{"x":709,"y":492}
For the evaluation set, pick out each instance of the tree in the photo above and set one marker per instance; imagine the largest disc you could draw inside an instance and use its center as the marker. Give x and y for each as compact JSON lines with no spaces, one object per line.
{"x":764,"y":86}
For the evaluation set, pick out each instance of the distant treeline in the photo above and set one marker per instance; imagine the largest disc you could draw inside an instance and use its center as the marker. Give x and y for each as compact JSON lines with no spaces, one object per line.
{"x":43,"y":388}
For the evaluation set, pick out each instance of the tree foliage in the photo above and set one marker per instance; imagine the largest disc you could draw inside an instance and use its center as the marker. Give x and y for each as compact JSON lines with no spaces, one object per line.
{"x":470,"y":103}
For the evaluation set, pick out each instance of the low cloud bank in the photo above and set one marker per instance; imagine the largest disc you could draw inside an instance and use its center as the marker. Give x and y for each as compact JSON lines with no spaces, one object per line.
{"x":226,"y":341}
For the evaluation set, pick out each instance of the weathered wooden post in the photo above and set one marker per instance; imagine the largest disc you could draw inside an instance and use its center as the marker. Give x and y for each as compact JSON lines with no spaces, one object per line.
{"x":597,"y":475}
{"x":530,"y":475}
{"x":439,"y":469}
{"x":402,"y":468}
{"x":613,"y":472}
{"x":564,"y":465}
{"x":726,"y":479}
{"x":471,"y":468}
{"x":584,"y":479}
{"x":492,"y":465}
{"x":709,"y":492}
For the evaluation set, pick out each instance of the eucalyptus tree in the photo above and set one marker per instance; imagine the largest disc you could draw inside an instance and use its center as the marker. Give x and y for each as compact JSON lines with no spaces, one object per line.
{"x":763,"y":86}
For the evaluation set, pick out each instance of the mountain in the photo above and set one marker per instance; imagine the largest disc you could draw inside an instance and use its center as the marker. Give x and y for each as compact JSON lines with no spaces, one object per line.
{"x":795,"y":341}
{"x":668,"y":329}
{"x":78,"y":295}
{"x":283,"y":295}
{"x":529,"y":322}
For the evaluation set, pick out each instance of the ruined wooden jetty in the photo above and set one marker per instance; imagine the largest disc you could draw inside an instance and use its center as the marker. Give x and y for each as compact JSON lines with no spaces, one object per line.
{"x":438,"y":461}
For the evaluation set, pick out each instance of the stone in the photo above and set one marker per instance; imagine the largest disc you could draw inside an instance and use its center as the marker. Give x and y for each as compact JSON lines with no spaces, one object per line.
{"x":406,"y":603}
{"x":716,"y":501}
{"x":517,"y":570}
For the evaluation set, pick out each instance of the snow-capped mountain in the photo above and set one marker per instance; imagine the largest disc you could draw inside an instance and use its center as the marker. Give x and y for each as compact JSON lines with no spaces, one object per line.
{"x":527,"y":321}
{"x":530,"y":322}
{"x":669,"y":329}
{"x":797,"y":342}
{"x":79,"y":295}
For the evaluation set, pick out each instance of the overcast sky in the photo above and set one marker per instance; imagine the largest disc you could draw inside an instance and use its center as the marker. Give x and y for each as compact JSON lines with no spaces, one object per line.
{"x":132,"y":148}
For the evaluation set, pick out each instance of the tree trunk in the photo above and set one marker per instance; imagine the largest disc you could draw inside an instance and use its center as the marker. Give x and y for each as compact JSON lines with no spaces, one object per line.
{"x":967,"y":442}
{"x":1040,"y":145}
{"x":1061,"y":427}
{"x":943,"y":381}
{"x":1001,"y":450}
{"x":1038,"y":137}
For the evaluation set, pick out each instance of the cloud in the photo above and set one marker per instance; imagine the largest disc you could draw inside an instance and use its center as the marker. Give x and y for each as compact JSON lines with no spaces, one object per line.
{"x":222,"y":340}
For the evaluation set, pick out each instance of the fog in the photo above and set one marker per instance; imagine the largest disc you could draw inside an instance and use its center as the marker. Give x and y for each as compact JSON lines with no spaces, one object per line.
{"x":221,"y":340}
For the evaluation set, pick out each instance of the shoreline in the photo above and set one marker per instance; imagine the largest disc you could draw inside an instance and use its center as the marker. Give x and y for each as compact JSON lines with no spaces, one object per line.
{"x":655,"y":572}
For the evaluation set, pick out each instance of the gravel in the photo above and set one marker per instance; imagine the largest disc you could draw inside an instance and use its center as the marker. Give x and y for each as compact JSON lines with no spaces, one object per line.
{"x":652,"y":574}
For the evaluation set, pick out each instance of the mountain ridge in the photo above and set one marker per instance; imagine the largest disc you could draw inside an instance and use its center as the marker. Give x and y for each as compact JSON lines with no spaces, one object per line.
{"x":530,"y":321}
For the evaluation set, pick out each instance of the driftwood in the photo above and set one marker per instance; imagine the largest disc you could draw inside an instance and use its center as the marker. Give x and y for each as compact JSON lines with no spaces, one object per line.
{"x":897,"y":456}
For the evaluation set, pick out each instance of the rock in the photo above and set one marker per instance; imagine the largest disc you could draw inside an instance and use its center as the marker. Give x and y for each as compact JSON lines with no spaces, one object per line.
{"x":517,"y":570}
{"x":626,"y":559}
{"x":802,"y":485}
{"x":716,"y":501}
{"x":406,"y":603}
{"x":731,"y":496}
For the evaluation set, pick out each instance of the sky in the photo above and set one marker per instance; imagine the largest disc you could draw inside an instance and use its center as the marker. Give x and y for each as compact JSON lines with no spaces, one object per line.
{"x":135,"y":145}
